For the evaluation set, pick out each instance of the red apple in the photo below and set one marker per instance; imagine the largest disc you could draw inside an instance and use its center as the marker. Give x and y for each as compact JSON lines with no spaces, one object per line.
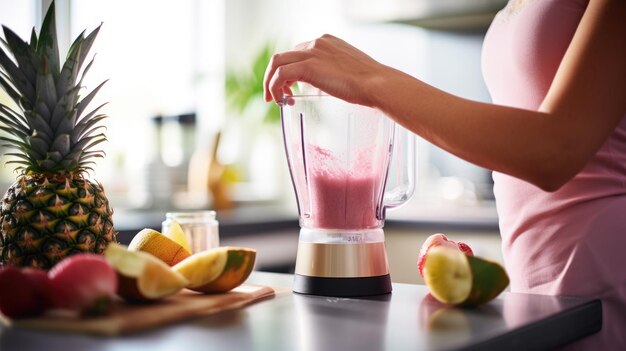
{"x":439,"y":239}
{"x":39,"y":278}
{"x":83,"y":283}
{"x":20,"y":294}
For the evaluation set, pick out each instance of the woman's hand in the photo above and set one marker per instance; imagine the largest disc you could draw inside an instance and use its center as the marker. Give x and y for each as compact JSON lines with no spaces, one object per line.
{"x":329,"y":64}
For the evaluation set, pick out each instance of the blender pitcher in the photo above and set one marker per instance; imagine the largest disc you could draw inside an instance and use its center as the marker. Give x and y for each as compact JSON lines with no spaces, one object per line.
{"x":339,"y":157}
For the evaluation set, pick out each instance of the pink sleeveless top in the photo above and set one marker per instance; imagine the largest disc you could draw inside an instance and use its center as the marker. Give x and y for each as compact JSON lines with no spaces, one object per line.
{"x":572,"y":241}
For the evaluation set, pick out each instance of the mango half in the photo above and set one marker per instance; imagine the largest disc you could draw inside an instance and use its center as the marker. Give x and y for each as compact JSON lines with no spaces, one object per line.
{"x":457,"y":279}
{"x":217,"y":270}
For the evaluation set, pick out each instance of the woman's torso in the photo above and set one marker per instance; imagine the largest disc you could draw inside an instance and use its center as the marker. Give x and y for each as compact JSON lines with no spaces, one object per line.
{"x":553,"y":241}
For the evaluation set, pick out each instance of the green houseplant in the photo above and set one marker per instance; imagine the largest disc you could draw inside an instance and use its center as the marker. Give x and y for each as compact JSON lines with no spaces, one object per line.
{"x":244,"y":88}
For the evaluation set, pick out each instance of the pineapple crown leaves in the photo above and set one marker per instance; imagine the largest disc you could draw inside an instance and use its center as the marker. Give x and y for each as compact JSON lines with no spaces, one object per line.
{"x":50,"y":130}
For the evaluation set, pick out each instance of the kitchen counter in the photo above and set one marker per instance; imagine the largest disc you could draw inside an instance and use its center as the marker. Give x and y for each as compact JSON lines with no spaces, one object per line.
{"x":407,"y":319}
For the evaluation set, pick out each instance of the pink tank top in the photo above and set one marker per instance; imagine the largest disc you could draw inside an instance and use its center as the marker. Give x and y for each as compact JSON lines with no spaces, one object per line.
{"x":572,"y":241}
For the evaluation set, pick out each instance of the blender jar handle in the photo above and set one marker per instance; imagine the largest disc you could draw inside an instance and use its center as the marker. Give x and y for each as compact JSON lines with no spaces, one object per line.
{"x":401,"y":178}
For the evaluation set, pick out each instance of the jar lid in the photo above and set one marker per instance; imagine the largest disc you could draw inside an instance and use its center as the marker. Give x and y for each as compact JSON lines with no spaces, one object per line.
{"x":191,"y":216}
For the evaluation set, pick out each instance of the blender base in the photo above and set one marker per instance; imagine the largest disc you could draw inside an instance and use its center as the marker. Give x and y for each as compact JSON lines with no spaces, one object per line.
{"x":342,"y":287}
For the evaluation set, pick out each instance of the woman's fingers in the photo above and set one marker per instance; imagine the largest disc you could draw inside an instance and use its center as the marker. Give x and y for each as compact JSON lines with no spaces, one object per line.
{"x":284,"y":77}
{"x":278,"y":61}
{"x":327,"y":63}
{"x":288,"y":67}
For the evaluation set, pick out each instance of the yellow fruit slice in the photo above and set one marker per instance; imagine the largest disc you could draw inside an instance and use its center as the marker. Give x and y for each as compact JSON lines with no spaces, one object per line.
{"x":176,"y":233}
{"x":142,"y":277}
{"x":203,"y":267}
{"x":217,"y":270}
{"x":159,"y":245}
{"x":448,"y":275}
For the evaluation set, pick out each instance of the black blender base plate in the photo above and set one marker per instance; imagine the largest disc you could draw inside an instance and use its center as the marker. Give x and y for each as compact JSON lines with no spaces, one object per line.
{"x":342,"y":287}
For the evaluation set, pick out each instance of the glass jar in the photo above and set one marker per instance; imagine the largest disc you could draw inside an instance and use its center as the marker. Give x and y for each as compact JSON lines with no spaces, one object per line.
{"x":201,"y":228}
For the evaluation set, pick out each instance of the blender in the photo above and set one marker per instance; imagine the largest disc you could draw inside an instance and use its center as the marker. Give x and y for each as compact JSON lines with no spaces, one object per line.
{"x":348,"y":164}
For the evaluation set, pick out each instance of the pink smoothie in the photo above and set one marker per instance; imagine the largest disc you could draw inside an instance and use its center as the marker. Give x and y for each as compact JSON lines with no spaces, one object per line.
{"x":342,"y":202}
{"x":340,"y":198}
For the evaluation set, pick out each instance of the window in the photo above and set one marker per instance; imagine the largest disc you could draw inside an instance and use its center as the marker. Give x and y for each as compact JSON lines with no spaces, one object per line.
{"x":20,"y":16}
{"x":161,"y":58}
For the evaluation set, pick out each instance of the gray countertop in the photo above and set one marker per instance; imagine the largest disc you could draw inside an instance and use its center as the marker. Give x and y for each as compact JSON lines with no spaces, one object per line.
{"x":406,"y":319}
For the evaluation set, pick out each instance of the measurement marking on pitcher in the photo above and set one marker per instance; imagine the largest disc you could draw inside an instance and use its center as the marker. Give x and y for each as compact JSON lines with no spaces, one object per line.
{"x":354,"y":238}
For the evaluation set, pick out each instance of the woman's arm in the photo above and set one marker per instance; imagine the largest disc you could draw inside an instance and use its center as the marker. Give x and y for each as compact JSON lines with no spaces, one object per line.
{"x":546,"y":147}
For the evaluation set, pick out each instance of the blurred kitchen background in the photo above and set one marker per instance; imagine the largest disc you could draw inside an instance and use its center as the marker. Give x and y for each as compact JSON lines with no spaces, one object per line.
{"x":188,"y":128}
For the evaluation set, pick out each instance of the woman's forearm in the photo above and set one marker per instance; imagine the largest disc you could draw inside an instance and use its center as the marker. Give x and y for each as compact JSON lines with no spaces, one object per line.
{"x":525,"y":144}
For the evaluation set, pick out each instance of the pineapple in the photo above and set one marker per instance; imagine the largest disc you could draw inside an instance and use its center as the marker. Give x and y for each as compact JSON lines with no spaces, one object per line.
{"x":53,"y":210}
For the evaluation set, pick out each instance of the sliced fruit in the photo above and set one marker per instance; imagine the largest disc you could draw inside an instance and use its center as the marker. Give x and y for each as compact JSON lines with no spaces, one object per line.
{"x":435,"y":240}
{"x":142,"y":276}
{"x":489,"y":279}
{"x":159,"y":245}
{"x":217,"y":270}
{"x":176,"y":233}
{"x":447,"y":274}
{"x":203,"y":267}
{"x":239,"y":265}
{"x":83,"y":283}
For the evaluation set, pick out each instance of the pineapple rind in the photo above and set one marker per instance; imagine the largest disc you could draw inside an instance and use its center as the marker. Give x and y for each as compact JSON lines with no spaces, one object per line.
{"x":51,"y":233}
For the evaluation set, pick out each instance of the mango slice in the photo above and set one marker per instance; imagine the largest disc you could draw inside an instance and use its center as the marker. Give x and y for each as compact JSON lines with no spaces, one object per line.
{"x":159,"y":245}
{"x":143,"y":277}
{"x":217,"y":270}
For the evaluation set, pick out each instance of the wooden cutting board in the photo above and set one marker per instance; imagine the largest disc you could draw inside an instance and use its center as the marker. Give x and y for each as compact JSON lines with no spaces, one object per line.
{"x":126,"y":318}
